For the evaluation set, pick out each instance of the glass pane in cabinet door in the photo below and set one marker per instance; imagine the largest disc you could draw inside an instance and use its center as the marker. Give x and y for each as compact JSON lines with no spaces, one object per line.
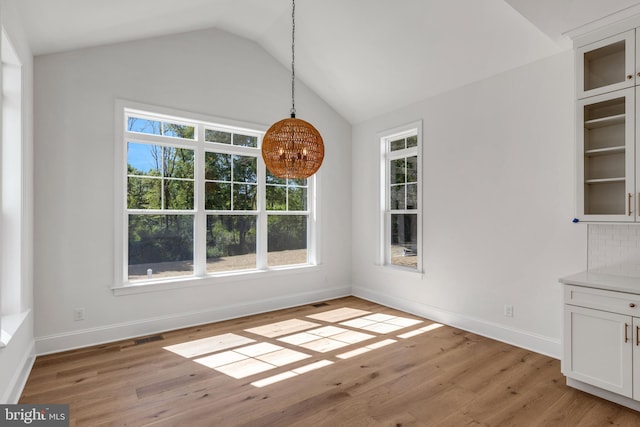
{"x":604,"y":66}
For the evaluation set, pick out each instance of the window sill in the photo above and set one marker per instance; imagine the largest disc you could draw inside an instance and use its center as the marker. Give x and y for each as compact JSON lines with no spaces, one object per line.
{"x":191,"y":281}
{"x":10,"y":325}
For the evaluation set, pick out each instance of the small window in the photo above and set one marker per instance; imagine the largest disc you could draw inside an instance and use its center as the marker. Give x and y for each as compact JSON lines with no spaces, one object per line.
{"x":401,"y":188}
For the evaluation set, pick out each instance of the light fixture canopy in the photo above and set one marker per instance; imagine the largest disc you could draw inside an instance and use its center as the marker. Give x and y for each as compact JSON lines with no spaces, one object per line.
{"x":292,"y":148}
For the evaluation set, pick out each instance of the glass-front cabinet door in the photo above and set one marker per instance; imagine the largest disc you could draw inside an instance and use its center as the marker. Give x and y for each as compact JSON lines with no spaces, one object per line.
{"x":606,"y":65}
{"x":605,"y":164}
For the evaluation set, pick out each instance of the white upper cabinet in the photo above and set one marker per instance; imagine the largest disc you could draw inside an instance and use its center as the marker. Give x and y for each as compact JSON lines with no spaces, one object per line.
{"x":607,"y":65}
{"x":605,"y":163}
{"x":608,"y":125}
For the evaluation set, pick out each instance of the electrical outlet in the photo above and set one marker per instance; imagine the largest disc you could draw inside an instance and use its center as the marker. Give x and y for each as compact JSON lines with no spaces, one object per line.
{"x":78,"y":314}
{"x":508,"y":310}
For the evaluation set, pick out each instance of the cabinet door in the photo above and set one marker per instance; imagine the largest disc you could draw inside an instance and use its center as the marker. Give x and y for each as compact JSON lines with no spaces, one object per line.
{"x":606,"y":65}
{"x":636,"y":358}
{"x":605,"y":163}
{"x":598,"y":349}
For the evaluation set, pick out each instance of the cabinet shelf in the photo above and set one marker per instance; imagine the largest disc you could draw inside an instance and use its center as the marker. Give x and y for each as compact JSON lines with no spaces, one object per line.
{"x":603,"y":180}
{"x":605,"y":121}
{"x":604,"y":151}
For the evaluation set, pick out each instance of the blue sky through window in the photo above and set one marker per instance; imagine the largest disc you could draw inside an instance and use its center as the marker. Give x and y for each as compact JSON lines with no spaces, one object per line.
{"x":141,"y":157}
{"x":155,"y":127}
{"x":135,"y":124}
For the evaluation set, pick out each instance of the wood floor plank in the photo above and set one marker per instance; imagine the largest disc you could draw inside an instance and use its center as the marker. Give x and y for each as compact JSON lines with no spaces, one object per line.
{"x":443,"y":377}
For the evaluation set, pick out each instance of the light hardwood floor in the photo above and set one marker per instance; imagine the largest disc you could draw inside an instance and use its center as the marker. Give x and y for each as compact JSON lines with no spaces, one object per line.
{"x":440,"y":377}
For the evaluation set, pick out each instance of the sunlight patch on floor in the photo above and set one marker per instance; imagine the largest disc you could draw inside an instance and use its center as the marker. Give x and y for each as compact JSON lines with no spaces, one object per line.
{"x":422,"y":330}
{"x":326,"y":339}
{"x":244,"y":368}
{"x":366,"y":348}
{"x":239,"y":357}
{"x":381,"y":323}
{"x":338,"y":314}
{"x":274,"y":379}
{"x":312,"y":366}
{"x":293,"y":373}
{"x":208,"y":345}
{"x":278,"y":329}
{"x":250,"y":360}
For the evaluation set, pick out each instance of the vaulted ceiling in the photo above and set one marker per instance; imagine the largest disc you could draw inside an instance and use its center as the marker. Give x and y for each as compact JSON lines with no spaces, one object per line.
{"x":364,"y":57}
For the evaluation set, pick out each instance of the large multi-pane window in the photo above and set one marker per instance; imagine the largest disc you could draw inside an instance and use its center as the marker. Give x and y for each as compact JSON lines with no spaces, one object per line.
{"x":199,"y":201}
{"x":401,"y":190}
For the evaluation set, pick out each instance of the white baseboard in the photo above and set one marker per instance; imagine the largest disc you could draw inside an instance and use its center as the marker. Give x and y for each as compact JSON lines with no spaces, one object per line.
{"x":126,"y":330}
{"x":540,"y":344}
{"x":20,"y":377}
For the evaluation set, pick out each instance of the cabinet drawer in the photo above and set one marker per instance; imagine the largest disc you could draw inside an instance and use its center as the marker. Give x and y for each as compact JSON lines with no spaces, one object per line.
{"x":616,"y":302}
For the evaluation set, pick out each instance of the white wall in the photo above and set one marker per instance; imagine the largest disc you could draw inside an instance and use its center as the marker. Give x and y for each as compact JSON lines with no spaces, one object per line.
{"x":17,"y":357}
{"x":206,"y":72}
{"x":498,"y":203}
{"x":498,"y":193}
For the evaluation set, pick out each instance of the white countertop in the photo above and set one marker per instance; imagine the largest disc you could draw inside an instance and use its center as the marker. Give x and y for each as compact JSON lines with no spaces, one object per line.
{"x":611,"y":282}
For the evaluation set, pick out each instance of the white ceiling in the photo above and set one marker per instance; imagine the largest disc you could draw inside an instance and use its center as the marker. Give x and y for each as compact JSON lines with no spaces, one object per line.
{"x":364,"y":57}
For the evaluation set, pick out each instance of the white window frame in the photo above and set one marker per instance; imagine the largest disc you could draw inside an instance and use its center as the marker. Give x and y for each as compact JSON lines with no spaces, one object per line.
{"x":122,"y":285}
{"x":384,"y":254}
{"x":13,"y":305}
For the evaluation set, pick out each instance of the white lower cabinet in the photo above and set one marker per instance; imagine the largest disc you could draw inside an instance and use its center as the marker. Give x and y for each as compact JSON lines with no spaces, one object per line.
{"x":601,"y":344}
{"x":600,"y":349}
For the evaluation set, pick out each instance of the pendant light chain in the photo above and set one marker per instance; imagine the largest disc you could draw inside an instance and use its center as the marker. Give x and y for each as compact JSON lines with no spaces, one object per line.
{"x":292,"y":148}
{"x":293,"y":59}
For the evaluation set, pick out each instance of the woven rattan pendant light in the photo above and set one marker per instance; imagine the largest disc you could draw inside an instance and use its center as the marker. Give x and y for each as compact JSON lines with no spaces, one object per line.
{"x":292,"y":148}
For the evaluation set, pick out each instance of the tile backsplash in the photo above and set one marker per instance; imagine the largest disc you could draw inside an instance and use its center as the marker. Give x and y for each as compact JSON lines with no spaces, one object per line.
{"x":614,"y":248}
